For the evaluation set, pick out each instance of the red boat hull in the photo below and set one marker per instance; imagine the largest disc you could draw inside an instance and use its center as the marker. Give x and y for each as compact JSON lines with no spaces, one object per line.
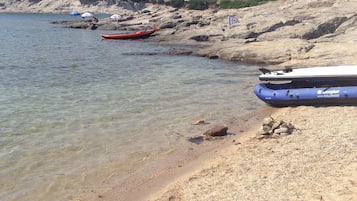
{"x":136,"y":35}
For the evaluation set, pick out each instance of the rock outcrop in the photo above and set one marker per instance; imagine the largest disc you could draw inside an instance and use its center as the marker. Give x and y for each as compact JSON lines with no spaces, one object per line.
{"x":284,"y":33}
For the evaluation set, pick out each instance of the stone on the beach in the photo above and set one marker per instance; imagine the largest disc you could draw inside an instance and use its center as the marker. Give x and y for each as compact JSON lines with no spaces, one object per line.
{"x":268,"y":121}
{"x":284,"y":134}
{"x":216,"y":131}
{"x":266,"y":129}
{"x":281,"y":130}
{"x":276,"y":125}
{"x":273,"y":128}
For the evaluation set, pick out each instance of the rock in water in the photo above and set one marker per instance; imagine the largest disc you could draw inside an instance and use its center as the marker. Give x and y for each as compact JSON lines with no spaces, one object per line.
{"x":217,"y":131}
{"x":210,"y":134}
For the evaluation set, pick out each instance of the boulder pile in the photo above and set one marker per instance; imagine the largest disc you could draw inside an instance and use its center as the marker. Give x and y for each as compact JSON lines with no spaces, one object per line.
{"x":274,"y":128}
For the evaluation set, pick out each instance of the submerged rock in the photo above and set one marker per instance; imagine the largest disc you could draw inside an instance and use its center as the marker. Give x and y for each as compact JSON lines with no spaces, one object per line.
{"x":217,"y":131}
{"x":213,"y":133}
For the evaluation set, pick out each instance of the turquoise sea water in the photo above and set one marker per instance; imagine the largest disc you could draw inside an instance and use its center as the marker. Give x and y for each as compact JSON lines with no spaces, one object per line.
{"x":76,"y":109}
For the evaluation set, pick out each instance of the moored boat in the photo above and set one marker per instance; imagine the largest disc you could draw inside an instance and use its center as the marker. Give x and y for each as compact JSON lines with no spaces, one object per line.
{"x":313,"y":73}
{"x":134,"y":35}
{"x":74,"y":13}
{"x":308,"y":93}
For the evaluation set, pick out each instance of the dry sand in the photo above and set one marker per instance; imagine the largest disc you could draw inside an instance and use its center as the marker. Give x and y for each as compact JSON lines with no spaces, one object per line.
{"x":317,"y":162}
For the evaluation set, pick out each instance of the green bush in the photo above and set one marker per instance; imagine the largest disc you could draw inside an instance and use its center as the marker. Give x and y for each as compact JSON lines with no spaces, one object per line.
{"x":240,"y":3}
{"x":177,"y":3}
{"x":192,"y":4}
{"x":200,"y":4}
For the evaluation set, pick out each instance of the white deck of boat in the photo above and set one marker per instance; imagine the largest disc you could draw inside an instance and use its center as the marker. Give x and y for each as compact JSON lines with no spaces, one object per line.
{"x":313,"y":72}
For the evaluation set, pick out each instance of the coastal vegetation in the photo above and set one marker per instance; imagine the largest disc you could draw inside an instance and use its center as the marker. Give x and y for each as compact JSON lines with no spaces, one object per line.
{"x":191,"y":4}
{"x":240,"y":3}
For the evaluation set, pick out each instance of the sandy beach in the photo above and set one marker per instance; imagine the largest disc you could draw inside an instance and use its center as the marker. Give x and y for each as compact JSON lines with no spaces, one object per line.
{"x":318,"y":161}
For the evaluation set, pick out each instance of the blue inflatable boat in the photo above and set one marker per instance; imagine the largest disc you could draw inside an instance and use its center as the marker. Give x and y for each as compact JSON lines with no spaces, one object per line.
{"x":308,"y":93}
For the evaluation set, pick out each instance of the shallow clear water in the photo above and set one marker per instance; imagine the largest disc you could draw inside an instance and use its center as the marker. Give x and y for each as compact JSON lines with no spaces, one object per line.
{"x":72,"y":103}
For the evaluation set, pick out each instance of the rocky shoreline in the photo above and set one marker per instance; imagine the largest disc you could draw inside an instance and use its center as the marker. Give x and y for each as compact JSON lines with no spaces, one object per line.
{"x":282,"y":33}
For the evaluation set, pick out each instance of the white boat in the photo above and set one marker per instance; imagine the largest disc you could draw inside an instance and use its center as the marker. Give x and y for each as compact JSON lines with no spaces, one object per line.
{"x":313,"y":73}
{"x":87,"y":15}
{"x":115,"y":17}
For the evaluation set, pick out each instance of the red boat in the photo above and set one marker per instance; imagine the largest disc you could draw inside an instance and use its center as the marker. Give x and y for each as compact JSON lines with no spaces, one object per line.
{"x":135,"y":35}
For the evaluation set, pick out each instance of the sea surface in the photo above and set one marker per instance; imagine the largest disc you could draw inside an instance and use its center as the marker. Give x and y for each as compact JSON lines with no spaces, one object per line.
{"x":77,"y":110}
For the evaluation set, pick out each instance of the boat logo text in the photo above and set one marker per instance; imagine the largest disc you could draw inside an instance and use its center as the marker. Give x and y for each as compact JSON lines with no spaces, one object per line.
{"x":328,"y":93}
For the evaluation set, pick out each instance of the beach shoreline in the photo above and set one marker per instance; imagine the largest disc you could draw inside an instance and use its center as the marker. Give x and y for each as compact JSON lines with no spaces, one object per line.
{"x":317,"y":162}
{"x":168,"y":169}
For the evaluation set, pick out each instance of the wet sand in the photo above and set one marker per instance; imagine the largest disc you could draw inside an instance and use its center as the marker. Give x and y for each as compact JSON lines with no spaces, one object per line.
{"x":165,"y":169}
{"x":317,"y":162}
